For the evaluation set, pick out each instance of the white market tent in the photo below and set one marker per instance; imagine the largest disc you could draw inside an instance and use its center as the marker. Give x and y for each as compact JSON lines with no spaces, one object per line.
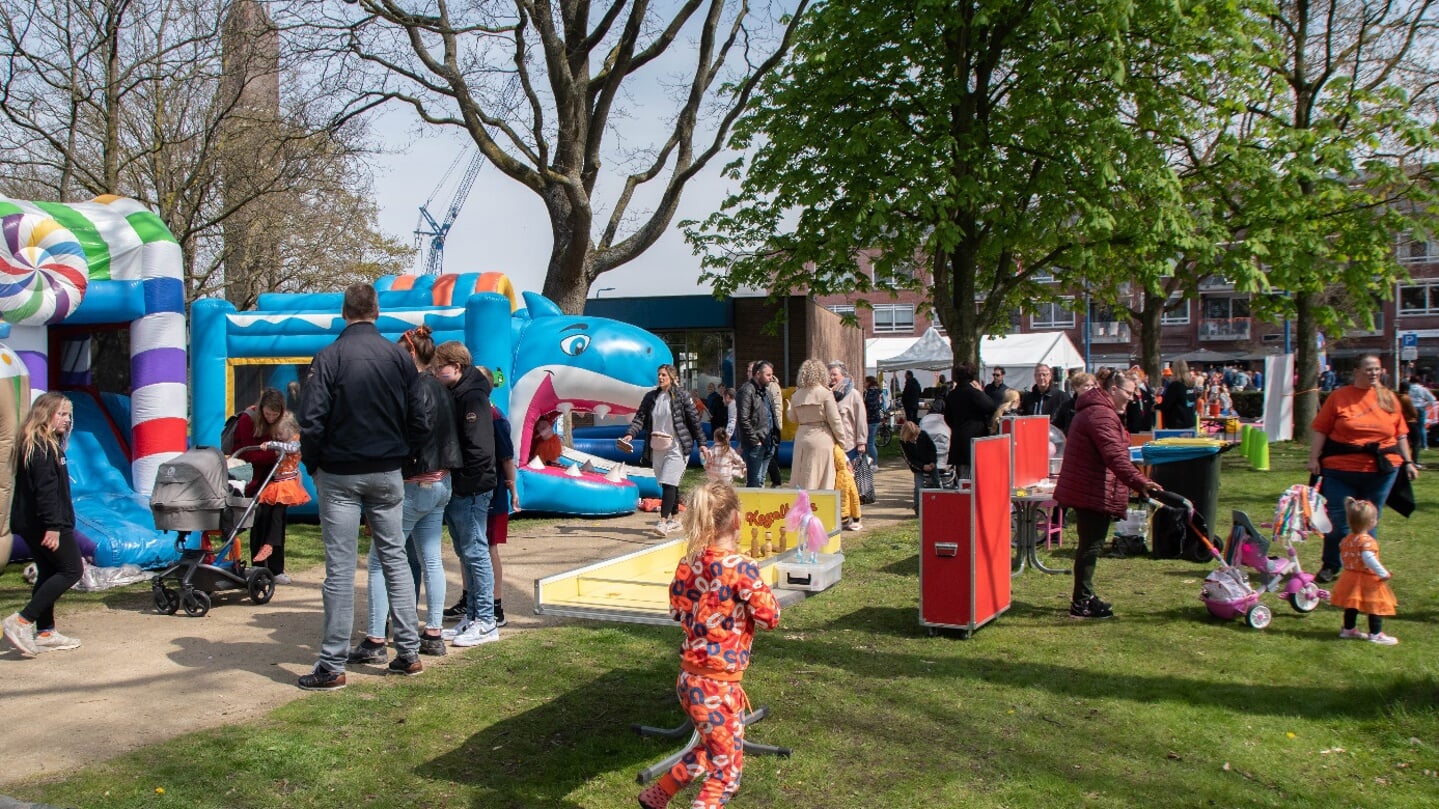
{"x":1017,"y":354}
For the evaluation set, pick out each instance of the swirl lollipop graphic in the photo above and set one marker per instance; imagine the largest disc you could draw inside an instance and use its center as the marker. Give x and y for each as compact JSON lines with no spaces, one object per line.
{"x":43,"y":270}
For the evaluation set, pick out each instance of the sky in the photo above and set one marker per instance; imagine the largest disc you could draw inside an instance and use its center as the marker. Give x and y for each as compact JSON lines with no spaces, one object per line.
{"x":504,"y":227}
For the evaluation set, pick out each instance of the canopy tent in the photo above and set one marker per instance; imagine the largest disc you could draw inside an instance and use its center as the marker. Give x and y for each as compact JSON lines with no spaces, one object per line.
{"x":1207,"y":355}
{"x":1017,"y":354}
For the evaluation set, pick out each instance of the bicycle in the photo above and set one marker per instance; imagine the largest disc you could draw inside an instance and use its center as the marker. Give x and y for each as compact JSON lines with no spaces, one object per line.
{"x":885,"y":433}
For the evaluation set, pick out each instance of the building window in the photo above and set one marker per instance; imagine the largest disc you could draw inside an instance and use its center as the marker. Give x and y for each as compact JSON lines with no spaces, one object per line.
{"x":1419,"y":299}
{"x":842,"y":309}
{"x":1412,"y":251}
{"x":893,"y":318}
{"x":902,"y":275}
{"x":1053,"y":315}
{"x":1178,"y":316}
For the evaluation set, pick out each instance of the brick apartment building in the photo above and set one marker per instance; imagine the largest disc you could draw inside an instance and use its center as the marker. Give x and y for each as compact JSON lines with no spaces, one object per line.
{"x":1218,"y":319}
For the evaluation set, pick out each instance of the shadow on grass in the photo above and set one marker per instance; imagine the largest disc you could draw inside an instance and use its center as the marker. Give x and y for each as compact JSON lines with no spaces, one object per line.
{"x":541,"y":756}
{"x":1412,"y":691}
{"x":903,"y":567}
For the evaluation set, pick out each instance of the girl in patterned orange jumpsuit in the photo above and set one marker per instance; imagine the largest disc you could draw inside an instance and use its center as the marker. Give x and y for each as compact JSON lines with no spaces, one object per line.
{"x":719,"y":597}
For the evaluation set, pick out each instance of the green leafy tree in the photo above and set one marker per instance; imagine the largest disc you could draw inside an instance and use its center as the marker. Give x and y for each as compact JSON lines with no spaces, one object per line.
{"x":992,"y":142}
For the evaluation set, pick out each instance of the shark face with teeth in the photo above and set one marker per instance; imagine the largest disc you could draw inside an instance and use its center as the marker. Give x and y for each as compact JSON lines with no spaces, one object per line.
{"x":571,"y":363}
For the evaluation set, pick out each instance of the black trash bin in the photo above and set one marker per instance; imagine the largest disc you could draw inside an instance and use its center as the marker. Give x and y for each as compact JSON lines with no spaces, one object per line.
{"x":1190,"y":469}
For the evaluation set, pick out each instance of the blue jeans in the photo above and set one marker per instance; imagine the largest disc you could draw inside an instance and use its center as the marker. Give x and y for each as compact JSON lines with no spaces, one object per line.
{"x":1371,"y":486}
{"x":466,"y":516}
{"x":755,"y":463}
{"x":924,"y":480}
{"x":380,"y":496}
{"x":872,"y":449}
{"x":423,"y":525}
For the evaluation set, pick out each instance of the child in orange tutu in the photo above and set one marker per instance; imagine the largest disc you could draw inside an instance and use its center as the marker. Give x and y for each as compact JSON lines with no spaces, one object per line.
{"x":720,"y":598}
{"x":1364,"y":584}
{"x":283,"y":490}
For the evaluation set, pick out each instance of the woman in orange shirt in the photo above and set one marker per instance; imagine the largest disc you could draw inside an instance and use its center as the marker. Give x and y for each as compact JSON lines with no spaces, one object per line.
{"x":1358,"y":443}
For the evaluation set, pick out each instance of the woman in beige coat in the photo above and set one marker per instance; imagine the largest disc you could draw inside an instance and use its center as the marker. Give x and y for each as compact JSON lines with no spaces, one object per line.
{"x":812,"y":407}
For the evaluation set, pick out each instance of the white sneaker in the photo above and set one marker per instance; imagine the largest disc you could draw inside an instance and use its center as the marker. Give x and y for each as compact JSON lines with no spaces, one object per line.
{"x":1353,"y":634}
{"x":283,"y":578}
{"x":662,"y":528}
{"x":676,"y":525}
{"x":20,"y":634}
{"x":477,"y":633}
{"x":460,"y":628}
{"x":1383,"y":639}
{"x":853,"y":525}
{"x":53,"y":641}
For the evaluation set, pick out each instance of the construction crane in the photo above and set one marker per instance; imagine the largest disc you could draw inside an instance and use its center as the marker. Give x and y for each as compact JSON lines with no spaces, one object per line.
{"x":435,"y":231}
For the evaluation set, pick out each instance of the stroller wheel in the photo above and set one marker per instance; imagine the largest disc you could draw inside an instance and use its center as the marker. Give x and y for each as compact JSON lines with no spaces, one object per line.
{"x":196,"y":603}
{"x":1305,"y":600}
{"x":262,"y":585}
{"x":167,"y":601}
{"x":1259,"y":616}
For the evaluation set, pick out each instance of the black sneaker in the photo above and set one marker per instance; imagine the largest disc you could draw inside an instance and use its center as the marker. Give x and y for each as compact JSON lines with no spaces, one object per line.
{"x":460,"y":608}
{"x":322,"y":679}
{"x":1090,"y":608}
{"x":432,"y":645}
{"x":499,"y":615}
{"x":369,"y":652}
{"x":1326,"y":575}
{"x":408,"y":666}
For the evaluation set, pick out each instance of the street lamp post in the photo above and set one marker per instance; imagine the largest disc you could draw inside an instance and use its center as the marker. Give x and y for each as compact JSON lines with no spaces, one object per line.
{"x":603,"y":290}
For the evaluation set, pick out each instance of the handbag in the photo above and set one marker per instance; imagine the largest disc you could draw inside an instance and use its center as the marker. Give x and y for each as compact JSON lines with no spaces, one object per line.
{"x":661,"y":442}
{"x":863,"y":478}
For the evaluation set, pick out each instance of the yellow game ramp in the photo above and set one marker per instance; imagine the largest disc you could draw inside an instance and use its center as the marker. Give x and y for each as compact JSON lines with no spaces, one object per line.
{"x":635,"y":587}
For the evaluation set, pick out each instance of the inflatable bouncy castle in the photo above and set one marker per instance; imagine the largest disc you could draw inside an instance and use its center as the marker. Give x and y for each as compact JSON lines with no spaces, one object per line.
{"x":543,"y":361}
{"x":68,"y":272}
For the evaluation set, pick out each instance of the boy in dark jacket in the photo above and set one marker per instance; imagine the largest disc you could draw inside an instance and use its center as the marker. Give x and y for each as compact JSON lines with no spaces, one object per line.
{"x":468,"y":513}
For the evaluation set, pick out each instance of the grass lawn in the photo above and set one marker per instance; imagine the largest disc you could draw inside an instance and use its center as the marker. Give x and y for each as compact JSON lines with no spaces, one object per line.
{"x":1163,"y":706}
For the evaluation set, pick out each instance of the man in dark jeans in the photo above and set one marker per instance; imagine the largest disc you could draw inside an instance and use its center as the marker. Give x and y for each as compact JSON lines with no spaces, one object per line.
{"x":756,"y":423}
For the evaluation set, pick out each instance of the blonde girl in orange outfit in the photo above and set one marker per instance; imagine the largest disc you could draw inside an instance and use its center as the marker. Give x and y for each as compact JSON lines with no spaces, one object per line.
{"x":283,"y":490}
{"x":719,"y":598}
{"x":1363,"y":586}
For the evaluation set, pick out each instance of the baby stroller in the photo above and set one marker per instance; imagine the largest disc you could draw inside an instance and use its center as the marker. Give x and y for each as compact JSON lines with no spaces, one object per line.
{"x":1226,"y":593}
{"x":193,"y":494}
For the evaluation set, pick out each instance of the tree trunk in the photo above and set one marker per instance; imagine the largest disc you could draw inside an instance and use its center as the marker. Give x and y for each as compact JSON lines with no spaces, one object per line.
{"x":1306,"y":362}
{"x":572,"y":256}
{"x":961,"y":316}
{"x":1150,"y":331}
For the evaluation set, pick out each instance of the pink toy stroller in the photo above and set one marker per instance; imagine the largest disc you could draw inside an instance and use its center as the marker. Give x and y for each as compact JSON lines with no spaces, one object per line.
{"x":1226,"y":593}
{"x":1300,"y":512}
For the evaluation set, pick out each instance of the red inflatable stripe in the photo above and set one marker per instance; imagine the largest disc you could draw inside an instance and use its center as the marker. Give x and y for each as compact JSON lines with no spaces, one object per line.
{"x":160,"y":435}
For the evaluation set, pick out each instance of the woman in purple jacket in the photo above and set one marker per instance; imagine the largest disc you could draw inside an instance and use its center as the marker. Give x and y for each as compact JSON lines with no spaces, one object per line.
{"x":1093,"y":481}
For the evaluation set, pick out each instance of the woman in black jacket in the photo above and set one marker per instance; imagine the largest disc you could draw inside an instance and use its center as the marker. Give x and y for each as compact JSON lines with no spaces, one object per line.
{"x":44,"y":515}
{"x":670,"y":423}
{"x":967,"y":411}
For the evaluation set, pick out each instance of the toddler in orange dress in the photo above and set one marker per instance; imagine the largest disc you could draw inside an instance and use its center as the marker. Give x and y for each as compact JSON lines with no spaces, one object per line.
{"x":719,"y":598}
{"x":1364,"y":584}
{"x":284,"y":489}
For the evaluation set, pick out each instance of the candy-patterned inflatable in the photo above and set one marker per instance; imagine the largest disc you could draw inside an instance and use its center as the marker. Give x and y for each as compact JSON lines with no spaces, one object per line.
{"x":14,"y":400}
{"x":102,"y":263}
{"x":43,"y":270}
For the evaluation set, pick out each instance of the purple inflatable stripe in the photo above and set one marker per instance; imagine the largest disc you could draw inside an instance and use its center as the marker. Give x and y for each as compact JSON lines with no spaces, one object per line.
{"x":157,"y":365}
{"x":36,"y":364}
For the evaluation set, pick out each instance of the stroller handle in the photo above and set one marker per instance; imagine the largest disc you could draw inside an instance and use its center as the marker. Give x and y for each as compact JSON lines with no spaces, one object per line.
{"x":1171,"y":499}
{"x":282,"y":447}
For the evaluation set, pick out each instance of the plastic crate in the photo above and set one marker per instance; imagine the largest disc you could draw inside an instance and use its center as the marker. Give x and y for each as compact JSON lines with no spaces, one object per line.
{"x":815,"y":577}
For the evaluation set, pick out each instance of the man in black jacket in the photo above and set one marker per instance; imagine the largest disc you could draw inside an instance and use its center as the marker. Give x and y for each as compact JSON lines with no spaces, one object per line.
{"x":756,"y":423}
{"x":1045,"y":397}
{"x":909,"y":397}
{"x":354,"y":438}
{"x":474,"y":484}
{"x":996,"y":387}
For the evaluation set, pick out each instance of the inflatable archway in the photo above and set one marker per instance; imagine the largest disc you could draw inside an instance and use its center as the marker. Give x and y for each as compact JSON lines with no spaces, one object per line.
{"x":66,"y":271}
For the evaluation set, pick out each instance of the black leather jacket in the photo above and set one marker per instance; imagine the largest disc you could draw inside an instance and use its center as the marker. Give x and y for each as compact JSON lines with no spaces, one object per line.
{"x":752,"y":422}
{"x":354,"y":417}
{"x":436,"y":443}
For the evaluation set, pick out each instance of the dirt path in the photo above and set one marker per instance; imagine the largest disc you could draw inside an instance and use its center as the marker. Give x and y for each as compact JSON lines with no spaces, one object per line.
{"x":140,"y":677}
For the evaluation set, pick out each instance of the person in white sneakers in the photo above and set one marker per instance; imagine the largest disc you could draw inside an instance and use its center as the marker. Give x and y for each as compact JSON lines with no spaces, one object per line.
{"x":670,"y":422}
{"x":43,"y":511}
